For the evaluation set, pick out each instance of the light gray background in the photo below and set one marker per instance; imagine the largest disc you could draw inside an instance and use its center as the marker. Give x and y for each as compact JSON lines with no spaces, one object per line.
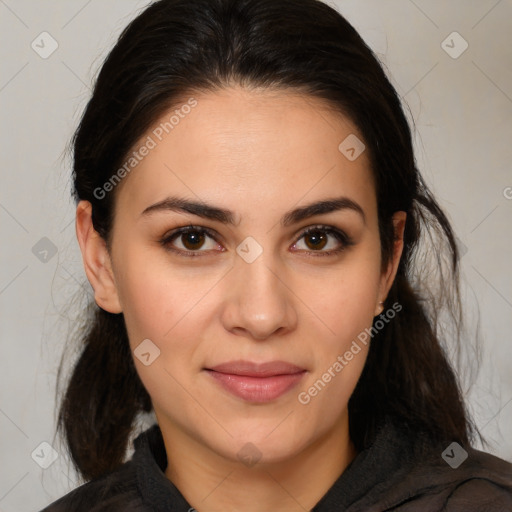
{"x":463,"y":113}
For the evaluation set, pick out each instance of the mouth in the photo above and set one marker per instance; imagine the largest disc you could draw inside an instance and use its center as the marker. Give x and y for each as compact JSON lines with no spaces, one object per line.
{"x":257,"y":382}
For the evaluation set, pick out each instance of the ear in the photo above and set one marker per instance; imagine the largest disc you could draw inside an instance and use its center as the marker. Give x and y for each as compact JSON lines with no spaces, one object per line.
{"x":388,"y":276}
{"x":96,"y":260}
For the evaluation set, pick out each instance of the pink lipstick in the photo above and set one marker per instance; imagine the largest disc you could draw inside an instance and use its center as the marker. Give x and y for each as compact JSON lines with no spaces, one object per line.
{"x":257,"y":382}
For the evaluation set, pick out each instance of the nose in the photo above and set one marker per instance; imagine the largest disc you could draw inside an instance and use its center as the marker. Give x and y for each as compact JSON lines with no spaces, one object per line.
{"x":258,"y":301}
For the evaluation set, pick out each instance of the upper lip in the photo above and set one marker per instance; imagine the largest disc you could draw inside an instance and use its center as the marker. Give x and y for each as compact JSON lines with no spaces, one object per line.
{"x":250,"y":369}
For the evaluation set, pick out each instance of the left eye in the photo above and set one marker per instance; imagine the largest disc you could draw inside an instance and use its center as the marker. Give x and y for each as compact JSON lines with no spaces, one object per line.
{"x":316,"y":238}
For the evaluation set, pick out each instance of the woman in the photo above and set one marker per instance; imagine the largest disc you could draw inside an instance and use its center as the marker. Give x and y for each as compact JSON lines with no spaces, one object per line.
{"x":250,"y":214}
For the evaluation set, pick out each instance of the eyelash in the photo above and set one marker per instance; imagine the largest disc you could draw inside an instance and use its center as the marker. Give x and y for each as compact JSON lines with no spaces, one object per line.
{"x":342,"y":237}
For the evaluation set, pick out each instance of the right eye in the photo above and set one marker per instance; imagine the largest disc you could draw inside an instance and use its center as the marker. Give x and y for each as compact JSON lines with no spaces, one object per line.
{"x":191,"y":238}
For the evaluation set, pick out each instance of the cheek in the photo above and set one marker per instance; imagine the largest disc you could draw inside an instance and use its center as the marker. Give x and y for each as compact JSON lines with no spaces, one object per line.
{"x":146,"y":305}
{"x":346,"y":306}
{"x":167,"y":305}
{"x":158,"y":305}
{"x":346,"y":302}
{"x":340,"y":354}
{"x":155,"y":296}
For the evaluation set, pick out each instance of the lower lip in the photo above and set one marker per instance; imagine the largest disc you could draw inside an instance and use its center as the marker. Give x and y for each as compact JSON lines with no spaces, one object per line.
{"x":257,"y":389}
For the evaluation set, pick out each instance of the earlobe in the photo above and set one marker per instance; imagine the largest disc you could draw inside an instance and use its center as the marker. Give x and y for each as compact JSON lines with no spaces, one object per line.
{"x":96,"y":260}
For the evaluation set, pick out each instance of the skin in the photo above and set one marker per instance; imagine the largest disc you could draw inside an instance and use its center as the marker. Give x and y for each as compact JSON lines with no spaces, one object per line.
{"x":258,"y":153}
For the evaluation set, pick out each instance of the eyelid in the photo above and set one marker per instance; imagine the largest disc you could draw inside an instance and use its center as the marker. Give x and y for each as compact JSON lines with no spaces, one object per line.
{"x":344,"y":239}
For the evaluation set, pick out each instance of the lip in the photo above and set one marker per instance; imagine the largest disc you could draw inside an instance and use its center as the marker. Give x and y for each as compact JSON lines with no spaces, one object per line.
{"x":257,"y":382}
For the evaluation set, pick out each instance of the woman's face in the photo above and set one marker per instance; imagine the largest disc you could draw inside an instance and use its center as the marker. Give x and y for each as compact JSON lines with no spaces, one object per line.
{"x":246,"y":284}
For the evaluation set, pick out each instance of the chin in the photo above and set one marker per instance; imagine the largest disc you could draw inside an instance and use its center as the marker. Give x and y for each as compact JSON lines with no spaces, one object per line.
{"x":264,"y":449}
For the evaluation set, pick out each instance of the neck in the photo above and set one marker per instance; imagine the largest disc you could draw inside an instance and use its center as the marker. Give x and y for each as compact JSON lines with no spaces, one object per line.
{"x":212,"y":483}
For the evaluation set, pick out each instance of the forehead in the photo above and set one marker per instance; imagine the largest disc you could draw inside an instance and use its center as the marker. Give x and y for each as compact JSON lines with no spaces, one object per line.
{"x":248,"y":150}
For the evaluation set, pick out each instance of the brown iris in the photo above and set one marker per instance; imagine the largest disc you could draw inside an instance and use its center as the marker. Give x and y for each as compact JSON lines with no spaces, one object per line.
{"x":319,"y":239}
{"x":193,"y":240}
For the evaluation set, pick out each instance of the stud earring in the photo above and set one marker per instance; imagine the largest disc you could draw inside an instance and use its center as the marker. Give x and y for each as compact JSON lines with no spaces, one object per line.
{"x":381,"y":308}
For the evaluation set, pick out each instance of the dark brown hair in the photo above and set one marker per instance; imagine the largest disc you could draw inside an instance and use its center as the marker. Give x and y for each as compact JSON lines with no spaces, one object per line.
{"x":176,"y":47}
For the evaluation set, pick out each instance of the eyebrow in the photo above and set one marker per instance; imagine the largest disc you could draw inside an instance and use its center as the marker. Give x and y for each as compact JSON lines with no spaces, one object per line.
{"x":207,"y":211}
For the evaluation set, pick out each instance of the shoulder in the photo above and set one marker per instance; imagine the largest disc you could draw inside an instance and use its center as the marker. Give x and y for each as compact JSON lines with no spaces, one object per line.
{"x":485,"y":485}
{"x":444,"y":476}
{"x":477,"y":495}
{"x":116,"y":490}
{"x":482,"y":482}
